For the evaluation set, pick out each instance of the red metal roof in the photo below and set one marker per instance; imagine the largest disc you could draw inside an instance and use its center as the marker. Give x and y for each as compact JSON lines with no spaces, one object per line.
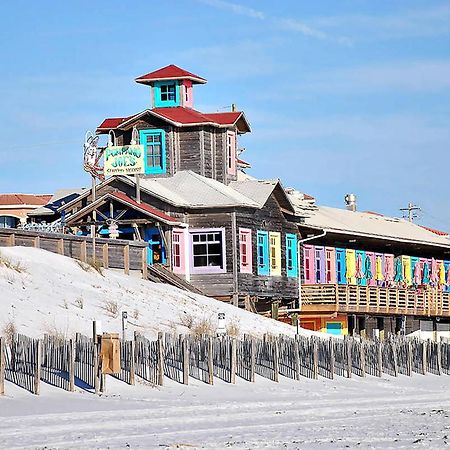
{"x":144,"y":206}
{"x":170,"y":72}
{"x":24,"y":199}
{"x":180,"y":115}
{"x":438,"y":232}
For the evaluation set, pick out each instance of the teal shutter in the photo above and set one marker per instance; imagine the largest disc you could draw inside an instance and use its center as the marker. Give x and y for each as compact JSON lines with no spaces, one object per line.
{"x":262,"y":238}
{"x":291,"y":255}
{"x":154,"y":142}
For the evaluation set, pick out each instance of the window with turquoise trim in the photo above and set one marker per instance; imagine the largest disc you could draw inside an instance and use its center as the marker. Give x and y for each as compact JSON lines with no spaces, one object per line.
{"x":154,"y":143}
{"x":291,"y":255}
{"x":262,"y":241}
{"x":166,"y":94}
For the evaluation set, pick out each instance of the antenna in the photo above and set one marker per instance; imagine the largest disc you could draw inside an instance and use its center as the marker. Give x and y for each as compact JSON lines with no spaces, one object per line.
{"x":410,"y":211}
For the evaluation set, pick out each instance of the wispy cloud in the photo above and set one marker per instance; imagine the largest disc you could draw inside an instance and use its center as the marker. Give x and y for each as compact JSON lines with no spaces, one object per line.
{"x":281,"y":23}
{"x":235,"y":8}
{"x":432,"y":21}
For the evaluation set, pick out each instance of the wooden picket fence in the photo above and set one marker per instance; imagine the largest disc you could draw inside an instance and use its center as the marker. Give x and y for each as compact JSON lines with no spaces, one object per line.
{"x":66,"y":363}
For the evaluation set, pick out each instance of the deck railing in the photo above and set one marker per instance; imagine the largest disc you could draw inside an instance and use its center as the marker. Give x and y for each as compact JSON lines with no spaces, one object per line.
{"x":376,"y":300}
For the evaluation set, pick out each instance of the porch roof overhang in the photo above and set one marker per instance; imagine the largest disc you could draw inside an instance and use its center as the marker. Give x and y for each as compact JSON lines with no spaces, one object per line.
{"x":122,"y":198}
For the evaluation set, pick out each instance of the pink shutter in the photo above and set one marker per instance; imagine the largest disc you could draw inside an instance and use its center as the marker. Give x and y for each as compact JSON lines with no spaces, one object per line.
{"x":178,"y":251}
{"x":330,"y":262}
{"x":245,"y":250}
{"x":231,"y":153}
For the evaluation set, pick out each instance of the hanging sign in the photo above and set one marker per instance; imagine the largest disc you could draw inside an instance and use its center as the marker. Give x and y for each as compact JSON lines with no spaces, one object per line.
{"x":124,"y":160}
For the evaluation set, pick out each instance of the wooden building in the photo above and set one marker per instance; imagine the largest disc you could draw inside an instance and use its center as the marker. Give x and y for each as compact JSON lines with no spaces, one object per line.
{"x":240,"y":239}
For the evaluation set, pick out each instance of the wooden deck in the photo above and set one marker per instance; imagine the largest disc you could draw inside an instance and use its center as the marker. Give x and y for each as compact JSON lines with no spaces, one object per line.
{"x":329,"y":298}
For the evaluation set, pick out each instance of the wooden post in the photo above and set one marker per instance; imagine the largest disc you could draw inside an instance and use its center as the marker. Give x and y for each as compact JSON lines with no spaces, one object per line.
{"x":60,"y":247}
{"x":424,"y":358}
{"x":348,"y":346}
{"x":362,"y":350}
{"x":394,"y":355}
{"x":105,"y":256}
{"x":37,"y":242}
{"x":161,"y":354}
{"x":144,"y":263}
{"x":97,"y":369}
{"x":2,"y":366}
{"x":210,"y":360}
{"x":297,"y":357}
{"x":233,"y":367}
{"x":126,"y":259}
{"x":439,"y":356}
{"x":409,"y":353}
{"x":330,"y":343}
{"x":379,"y":358}
{"x":71,"y":365}
{"x":37,"y":374}
{"x":276,"y":353}
{"x":315,"y":360}
{"x":12,"y":240}
{"x":252,"y":359}
{"x":132,"y":363}
{"x":83,"y":251}
{"x":185,"y":350}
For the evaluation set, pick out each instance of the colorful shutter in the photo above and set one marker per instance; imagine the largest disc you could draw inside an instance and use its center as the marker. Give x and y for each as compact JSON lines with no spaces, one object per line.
{"x":341,"y":267}
{"x":330,"y":265}
{"x":178,"y":251}
{"x":245,"y":250}
{"x":350,"y":263}
{"x":415,"y":271}
{"x":291,"y":255}
{"x":406,"y":263}
{"x":319,"y":264}
{"x":360,"y":260}
{"x":388,"y":269}
{"x":275,"y":253}
{"x":262,"y":238}
{"x":379,"y":269}
{"x":370,"y":266}
{"x":308,"y":264}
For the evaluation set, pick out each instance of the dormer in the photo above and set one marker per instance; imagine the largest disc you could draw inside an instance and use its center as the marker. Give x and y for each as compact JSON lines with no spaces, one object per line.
{"x":171,"y":86}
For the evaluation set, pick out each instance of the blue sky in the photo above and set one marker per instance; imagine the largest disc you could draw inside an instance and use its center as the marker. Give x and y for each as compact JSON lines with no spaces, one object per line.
{"x":348,"y":96}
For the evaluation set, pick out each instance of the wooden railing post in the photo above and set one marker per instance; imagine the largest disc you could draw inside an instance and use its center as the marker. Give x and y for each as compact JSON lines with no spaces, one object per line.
{"x":83,"y":251}
{"x":297,"y":357}
{"x":252,"y":359}
{"x":331,"y":346}
{"x":210,"y":360}
{"x":60,"y":247}
{"x":126,"y":259}
{"x":105,"y":255}
{"x":144,"y":263}
{"x":315,"y":356}
{"x":379,"y":358}
{"x":37,"y":242}
{"x":132,"y":362}
{"x":71,"y":365}
{"x":12,"y":240}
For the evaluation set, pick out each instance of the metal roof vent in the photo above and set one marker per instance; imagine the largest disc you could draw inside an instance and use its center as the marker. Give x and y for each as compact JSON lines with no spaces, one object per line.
{"x":350,"y":202}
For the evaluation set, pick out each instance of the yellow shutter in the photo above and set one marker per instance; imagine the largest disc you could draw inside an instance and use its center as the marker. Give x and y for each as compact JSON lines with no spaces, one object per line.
{"x":275,"y":253}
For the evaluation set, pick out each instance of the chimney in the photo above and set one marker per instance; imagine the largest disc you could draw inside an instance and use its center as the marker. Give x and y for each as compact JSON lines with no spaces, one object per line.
{"x":350,"y":202}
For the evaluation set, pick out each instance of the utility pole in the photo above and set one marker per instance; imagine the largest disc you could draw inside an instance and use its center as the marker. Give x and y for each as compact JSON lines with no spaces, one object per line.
{"x":411,"y":214}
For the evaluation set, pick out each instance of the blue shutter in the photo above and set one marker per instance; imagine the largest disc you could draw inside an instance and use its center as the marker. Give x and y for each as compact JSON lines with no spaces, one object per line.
{"x":262,"y":239}
{"x":291,"y":255}
{"x":341,"y":268}
{"x":149,"y":170}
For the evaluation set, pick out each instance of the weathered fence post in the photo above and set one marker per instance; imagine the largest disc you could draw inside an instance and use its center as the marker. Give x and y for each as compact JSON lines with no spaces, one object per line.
{"x":379,"y":358}
{"x":424,"y":358}
{"x":71,"y":365}
{"x":233,"y":361}
{"x":83,"y":251}
{"x":210,"y":360}
{"x":276,"y":362}
{"x":185,"y":350}
{"x":12,"y":240}
{"x":126,"y":259}
{"x":394,"y":356}
{"x":161,"y":355}
{"x":348,"y":348}
{"x":315,"y":356}
{"x":362,"y":350}
{"x":37,"y":374}
{"x":144,"y":263}
{"x":2,"y":365}
{"x":252,"y":359}
{"x":409,"y":353}
{"x":105,"y":256}
{"x":330,"y":343}
{"x":132,"y":362}
{"x":439,"y":356}
{"x":297,"y":357}
{"x":97,"y":369}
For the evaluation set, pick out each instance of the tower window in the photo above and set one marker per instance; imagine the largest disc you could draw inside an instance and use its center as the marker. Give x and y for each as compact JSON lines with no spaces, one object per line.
{"x":168,"y":92}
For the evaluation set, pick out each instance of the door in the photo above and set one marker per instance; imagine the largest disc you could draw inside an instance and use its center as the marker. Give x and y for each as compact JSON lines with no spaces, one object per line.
{"x":156,"y":250}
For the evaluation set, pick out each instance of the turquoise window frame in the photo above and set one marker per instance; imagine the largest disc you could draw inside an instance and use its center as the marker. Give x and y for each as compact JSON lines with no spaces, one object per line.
{"x":159,"y":102}
{"x":262,"y":252}
{"x":151,"y":170}
{"x":291,"y":255}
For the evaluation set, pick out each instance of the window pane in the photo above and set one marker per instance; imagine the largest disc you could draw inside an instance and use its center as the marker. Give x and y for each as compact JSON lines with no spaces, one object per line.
{"x":215,"y":260}
{"x":200,"y":261}
{"x":200,"y":249}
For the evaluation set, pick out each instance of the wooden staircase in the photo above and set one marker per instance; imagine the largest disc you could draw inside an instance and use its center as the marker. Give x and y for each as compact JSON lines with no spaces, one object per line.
{"x":159,"y":273}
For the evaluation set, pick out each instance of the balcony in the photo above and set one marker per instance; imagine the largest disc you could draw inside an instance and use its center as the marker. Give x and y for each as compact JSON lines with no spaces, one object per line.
{"x":329,"y":298}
